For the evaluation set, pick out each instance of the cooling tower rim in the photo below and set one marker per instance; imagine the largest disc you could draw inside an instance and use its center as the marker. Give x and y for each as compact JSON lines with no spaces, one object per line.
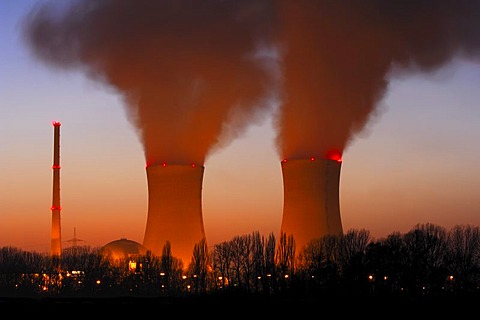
{"x":309,"y":160}
{"x":174,"y":165}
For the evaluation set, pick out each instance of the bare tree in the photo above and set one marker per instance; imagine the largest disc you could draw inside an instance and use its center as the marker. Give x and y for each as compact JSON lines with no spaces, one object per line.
{"x":463,"y":258}
{"x":199,"y":266}
{"x":171,"y":269}
{"x":241,"y":247}
{"x":425,"y":248}
{"x":270,"y":267}
{"x":222,"y":263}
{"x":285,"y":259}
{"x":352,"y":258}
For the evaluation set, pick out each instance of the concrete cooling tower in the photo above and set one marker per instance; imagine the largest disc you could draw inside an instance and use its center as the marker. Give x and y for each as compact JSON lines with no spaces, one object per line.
{"x":311,"y":207}
{"x":174,"y":209}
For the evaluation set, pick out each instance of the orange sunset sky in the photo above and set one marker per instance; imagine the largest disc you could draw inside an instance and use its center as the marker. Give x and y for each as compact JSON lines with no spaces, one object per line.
{"x":410,"y":157}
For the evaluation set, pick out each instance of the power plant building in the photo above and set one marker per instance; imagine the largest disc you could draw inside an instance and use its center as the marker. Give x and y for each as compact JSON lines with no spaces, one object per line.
{"x":311,"y":206}
{"x":174,"y":209}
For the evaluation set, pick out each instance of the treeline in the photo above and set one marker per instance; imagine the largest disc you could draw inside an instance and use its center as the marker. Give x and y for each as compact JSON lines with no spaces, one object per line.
{"x":426,"y":261}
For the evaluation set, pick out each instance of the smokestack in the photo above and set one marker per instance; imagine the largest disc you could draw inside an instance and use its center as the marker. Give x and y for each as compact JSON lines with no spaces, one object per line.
{"x":311,"y":206}
{"x":174,"y":209}
{"x":56,"y":236}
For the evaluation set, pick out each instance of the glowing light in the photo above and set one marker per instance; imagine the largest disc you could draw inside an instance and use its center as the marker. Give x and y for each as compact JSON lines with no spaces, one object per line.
{"x":164,"y":164}
{"x":193,"y":165}
{"x":334,"y":154}
{"x":284,"y":160}
{"x":56,"y":208}
{"x":312,"y":159}
{"x":56,"y":166}
{"x":56,"y":123}
{"x":132,"y":265}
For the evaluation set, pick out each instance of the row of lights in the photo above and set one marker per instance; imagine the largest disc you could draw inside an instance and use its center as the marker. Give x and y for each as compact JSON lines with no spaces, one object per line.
{"x":338,"y":159}
{"x":164,"y":164}
{"x":371,"y":277}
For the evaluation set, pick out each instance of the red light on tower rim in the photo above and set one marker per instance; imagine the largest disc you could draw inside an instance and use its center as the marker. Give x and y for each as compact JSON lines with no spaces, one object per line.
{"x":56,"y":123}
{"x":335,"y":155}
{"x":165,"y":164}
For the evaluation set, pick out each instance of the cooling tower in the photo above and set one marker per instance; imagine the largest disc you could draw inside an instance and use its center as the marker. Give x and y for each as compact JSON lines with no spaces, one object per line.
{"x":174,"y":209}
{"x":311,"y":207}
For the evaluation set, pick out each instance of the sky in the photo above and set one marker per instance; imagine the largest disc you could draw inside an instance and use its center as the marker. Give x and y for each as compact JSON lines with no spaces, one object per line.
{"x":410,"y":150}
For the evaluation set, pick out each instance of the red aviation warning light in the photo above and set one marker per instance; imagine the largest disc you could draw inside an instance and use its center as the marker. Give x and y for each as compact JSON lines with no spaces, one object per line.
{"x":334,"y":154}
{"x":56,"y":123}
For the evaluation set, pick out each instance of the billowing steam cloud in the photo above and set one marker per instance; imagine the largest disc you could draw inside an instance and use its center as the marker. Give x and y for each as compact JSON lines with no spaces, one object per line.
{"x":186,"y":68}
{"x":338,"y":56}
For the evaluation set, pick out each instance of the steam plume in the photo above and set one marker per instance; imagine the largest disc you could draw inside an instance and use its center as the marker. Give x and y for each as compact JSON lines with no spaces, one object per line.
{"x":338,"y":57}
{"x":187,"y":68}
{"x":184,"y":67}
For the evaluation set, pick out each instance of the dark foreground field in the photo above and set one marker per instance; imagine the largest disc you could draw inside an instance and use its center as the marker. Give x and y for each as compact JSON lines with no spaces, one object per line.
{"x":236,"y":306}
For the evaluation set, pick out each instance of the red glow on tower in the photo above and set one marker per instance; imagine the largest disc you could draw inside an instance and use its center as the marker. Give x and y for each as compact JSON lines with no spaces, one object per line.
{"x":334,"y":154}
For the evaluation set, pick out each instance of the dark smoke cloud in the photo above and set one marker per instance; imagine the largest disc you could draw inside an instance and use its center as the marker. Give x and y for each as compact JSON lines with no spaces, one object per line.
{"x":338,"y":57}
{"x":186,"y":68}
{"x":193,"y":77}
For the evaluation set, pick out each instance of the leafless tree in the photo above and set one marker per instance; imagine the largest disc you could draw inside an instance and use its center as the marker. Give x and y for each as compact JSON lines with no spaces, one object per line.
{"x":425,"y":249}
{"x":463,"y":258}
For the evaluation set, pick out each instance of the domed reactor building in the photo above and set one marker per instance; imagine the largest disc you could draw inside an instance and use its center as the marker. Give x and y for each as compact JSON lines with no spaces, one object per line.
{"x":174,"y":209}
{"x":311,"y":207}
{"x":123,"y":249}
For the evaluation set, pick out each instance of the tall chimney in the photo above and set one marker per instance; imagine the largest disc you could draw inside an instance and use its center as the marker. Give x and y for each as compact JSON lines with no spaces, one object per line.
{"x":311,"y":207}
{"x":56,"y":236}
{"x":174,"y":209}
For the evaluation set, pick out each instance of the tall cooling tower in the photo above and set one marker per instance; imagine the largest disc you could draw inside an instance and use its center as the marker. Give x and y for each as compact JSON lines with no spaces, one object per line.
{"x":311,"y":207}
{"x":174,"y":209}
